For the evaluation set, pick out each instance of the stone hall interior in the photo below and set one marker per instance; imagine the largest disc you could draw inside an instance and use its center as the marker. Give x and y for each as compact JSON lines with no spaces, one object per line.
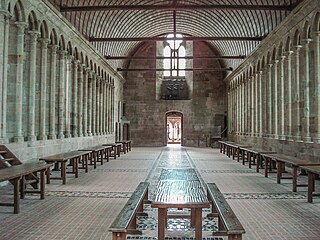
{"x":159,"y":119}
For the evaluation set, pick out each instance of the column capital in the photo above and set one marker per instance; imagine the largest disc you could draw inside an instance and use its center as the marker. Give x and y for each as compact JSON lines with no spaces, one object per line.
{"x":53,"y":47}
{"x":21,"y":25}
{"x":34,"y":35}
{"x":44,"y":42}
{"x":62,"y":53}
{"x":80,"y":67}
{"x":288,"y":53}
{"x":306,"y":41}
{"x":76,"y":62}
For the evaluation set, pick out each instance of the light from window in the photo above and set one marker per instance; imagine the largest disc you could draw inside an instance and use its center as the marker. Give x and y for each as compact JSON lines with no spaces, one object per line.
{"x":175,"y":63}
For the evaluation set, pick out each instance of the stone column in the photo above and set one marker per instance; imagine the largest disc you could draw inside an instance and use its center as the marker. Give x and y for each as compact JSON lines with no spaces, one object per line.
{"x":289,"y":96}
{"x":19,"y":81}
{"x":32,"y":84}
{"x":317,"y":86}
{"x":62,"y":74}
{"x":85,"y":100}
{"x":297,"y":94}
{"x":4,"y":39}
{"x":243,"y":109}
{"x":43,"y":89}
{"x":94,"y":104}
{"x":79,"y":99}
{"x":112,"y":107}
{"x":253,"y":106}
{"x":281,"y":100}
{"x":261,"y":106}
{"x":275,"y":99}
{"x":98,"y":110}
{"x":104,"y":107}
{"x":269,"y":100}
{"x":90,"y":97}
{"x":53,"y":80}
{"x":306,"y":134}
{"x":107,"y":106}
{"x":75,"y":98}
{"x":67,"y":98}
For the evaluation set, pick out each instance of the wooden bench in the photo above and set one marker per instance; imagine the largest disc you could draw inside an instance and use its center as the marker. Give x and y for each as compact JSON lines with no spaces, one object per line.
{"x":116,"y":149}
{"x":74,"y":157}
{"x":126,"y":221}
{"x":253,"y":156}
{"x":98,"y":154}
{"x":281,"y":161}
{"x":228,"y":223}
{"x":125,"y":146}
{"x":16,"y":175}
{"x":313,"y":172}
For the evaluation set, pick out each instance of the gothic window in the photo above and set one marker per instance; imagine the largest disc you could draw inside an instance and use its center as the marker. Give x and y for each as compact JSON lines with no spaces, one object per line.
{"x":174,"y":53}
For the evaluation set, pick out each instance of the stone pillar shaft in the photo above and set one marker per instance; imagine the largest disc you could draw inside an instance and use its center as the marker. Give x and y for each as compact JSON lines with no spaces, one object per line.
{"x":19,"y":81}
{"x":289,"y":95}
{"x":53,"y":87}
{"x":275,"y":99}
{"x":62,"y":73}
{"x":32,"y":84}
{"x":43,"y":88}
{"x":306,"y":134}
{"x":269,"y":100}
{"x":317,"y":85}
{"x":85,"y":101}
{"x":68,"y":80}
{"x":75,"y":97}
{"x":90,"y":96}
{"x":297,"y":94}
{"x":94,"y":104}
{"x":79,"y":100}
{"x":281,"y":100}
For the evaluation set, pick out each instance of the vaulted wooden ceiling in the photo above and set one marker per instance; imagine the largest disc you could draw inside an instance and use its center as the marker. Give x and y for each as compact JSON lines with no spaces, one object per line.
{"x":233,"y":27}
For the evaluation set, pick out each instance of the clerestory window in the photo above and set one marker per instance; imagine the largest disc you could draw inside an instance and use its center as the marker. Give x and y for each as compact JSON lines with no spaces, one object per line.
{"x":174,"y":53}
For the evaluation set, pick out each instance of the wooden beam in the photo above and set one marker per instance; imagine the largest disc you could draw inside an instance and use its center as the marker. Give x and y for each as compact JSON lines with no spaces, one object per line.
{"x":161,"y":57}
{"x":139,"y":39}
{"x":161,"y":69}
{"x":176,"y":7}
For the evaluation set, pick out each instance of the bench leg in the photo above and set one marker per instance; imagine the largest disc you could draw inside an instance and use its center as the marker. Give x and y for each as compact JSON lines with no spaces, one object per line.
{"x":310,"y":186}
{"x":42,"y":184}
{"x":162,"y":216}
{"x":198,"y":223}
{"x":116,"y":236}
{"x":235,"y":237}
{"x":16,"y":199}
{"x":64,"y":172}
{"x":294,"y":178}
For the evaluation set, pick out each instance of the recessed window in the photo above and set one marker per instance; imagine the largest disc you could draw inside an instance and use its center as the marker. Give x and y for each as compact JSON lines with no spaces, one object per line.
{"x":174,"y":53}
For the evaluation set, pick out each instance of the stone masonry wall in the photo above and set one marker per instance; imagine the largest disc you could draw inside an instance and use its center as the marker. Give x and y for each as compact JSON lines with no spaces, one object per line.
{"x":205,"y":109}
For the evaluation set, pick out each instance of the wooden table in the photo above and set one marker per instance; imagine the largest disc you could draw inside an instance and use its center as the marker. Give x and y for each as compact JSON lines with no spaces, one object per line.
{"x":116,"y":147}
{"x":15,"y":174}
{"x":74,"y":157}
{"x":98,"y":154}
{"x":180,"y":188}
{"x":312,"y":171}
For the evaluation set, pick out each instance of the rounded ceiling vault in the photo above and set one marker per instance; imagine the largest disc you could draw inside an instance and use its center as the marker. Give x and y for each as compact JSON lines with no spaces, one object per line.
{"x":193,"y":18}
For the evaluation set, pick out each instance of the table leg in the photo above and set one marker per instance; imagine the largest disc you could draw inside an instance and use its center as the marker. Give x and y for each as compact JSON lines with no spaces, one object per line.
{"x":294,"y":178}
{"x":193,"y":217}
{"x":63,"y":172}
{"x":279,"y":171}
{"x":198,"y":223}
{"x":162,"y":215}
{"x":310,"y":186}
{"x":42,"y":183}
{"x":266,"y":163}
{"x":16,"y":199}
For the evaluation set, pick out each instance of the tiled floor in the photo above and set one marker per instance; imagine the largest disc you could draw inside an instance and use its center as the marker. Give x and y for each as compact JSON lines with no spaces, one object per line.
{"x":85,"y":207}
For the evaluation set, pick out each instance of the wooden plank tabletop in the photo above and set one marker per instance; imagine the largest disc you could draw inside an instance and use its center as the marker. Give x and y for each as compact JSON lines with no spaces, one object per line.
{"x":313,"y":169}
{"x":291,"y":160}
{"x":65,"y":156}
{"x":95,"y":148}
{"x":21,"y":170}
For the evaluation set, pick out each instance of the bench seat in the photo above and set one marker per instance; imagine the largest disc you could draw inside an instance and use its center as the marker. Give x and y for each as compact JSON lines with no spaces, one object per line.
{"x":74,"y":157}
{"x":16,"y":175}
{"x":126,"y":219}
{"x":228,"y":223}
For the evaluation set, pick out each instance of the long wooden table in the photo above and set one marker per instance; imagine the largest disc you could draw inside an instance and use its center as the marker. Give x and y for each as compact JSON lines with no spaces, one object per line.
{"x":74,"y":157}
{"x":180,"y":188}
{"x":15,"y":174}
{"x":98,"y":154}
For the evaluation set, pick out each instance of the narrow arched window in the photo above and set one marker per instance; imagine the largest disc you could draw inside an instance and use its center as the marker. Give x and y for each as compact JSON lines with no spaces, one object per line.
{"x":174,"y":52}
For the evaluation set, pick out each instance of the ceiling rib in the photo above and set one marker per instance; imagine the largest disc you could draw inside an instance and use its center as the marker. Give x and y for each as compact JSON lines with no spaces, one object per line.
{"x":176,"y":7}
{"x":161,"y":69}
{"x":138,"y":39}
{"x":161,"y":57}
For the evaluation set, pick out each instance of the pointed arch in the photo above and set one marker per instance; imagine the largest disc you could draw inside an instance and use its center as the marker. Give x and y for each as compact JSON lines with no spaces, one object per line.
{"x":53,"y":37}
{"x":33,"y":22}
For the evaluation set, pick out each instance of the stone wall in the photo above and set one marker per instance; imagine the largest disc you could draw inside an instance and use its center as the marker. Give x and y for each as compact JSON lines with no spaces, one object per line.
{"x":57,"y":93}
{"x":146,"y":114}
{"x":274,"y":96}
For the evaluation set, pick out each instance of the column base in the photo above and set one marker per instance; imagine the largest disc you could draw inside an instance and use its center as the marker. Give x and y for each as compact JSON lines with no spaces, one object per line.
{"x":61,"y":136}
{"x":18,"y":139}
{"x":89,"y":134}
{"x":52,"y":137}
{"x":4,"y":140}
{"x":43,"y":137}
{"x":68,"y":135}
{"x":75,"y":135}
{"x":32,"y":138}
{"x":316,"y":140}
{"x":307,"y":139}
{"x":290,"y":138}
{"x":282,"y":137}
{"x":298,"y":139}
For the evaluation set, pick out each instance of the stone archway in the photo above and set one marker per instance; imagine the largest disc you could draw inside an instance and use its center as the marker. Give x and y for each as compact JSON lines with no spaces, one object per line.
{"x":174,"y":123}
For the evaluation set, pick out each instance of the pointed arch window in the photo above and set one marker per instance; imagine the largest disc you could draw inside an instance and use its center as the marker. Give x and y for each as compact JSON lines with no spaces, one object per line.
{"x":174,"y":53}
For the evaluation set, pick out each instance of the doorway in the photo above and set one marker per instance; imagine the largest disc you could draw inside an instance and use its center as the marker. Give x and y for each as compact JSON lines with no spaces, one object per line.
{"x":174,"y":122}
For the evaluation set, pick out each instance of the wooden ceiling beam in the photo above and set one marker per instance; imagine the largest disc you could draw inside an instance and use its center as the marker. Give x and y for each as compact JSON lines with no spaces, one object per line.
{"x":161,"y":57}
{"x":161,"y":69}
{"x":176,"y":7}
{"x":141,"y":39}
